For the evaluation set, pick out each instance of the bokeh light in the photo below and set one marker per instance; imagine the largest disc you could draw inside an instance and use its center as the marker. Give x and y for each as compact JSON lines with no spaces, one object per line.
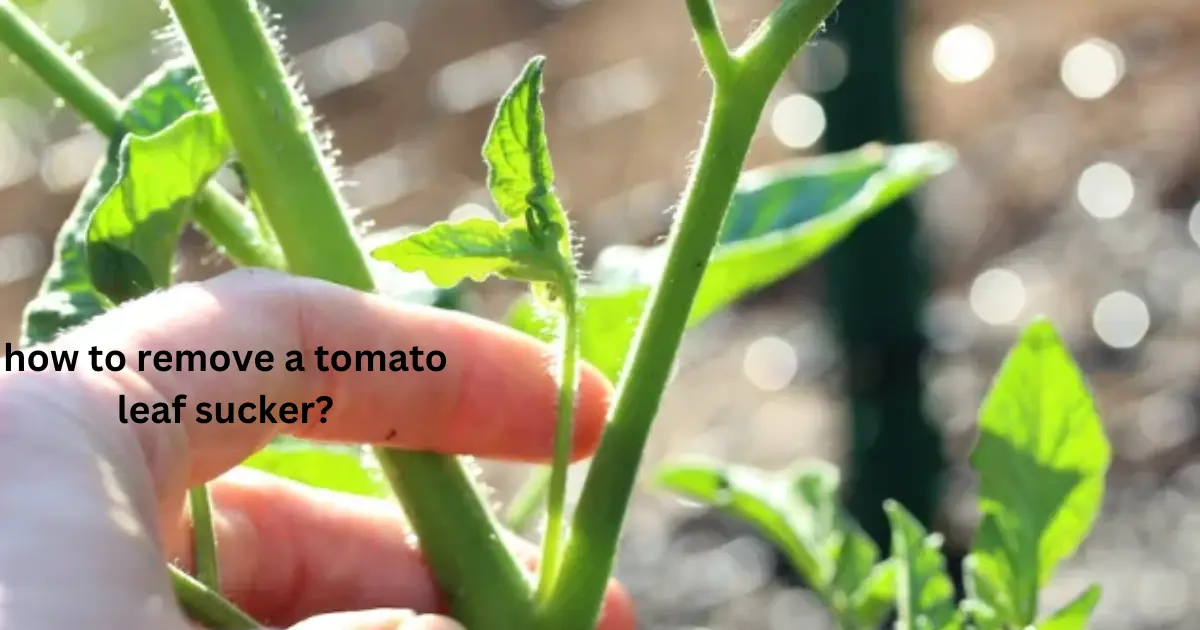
{"x":964,"y":53}
{"x":471,"y":210}
{"x":21,"y":255}
{"x":998,"y":296}
{"x":1091,"y":69}
{"x":798,"y":121}
{"x":1105,"y":190}
{"x":770,"y":363}
{"x":1121,"y":319}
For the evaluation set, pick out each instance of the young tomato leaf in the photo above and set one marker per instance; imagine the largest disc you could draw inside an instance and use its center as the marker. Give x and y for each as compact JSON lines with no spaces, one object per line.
{"x":1041,"y":456}
{"x":836,"y":194}
{"x":533,"y":244}
{"x":798,"y":509}
{"x":333,"y":467}
{"x":990,"y":601}
{"x":474,"y":248}
{"x":1075,"y":615}
{"x":135,"y":229}
{"x":875,"y":597}
{"x":516,"y":150}
{"x":924,"y":592}
{"x":67,"y":298}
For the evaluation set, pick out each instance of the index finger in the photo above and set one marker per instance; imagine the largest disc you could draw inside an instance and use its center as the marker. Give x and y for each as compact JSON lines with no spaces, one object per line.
{"x":495,"y":396}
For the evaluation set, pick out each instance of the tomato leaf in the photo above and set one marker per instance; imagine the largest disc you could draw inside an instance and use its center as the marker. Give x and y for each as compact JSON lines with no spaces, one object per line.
{"x":67,"y":298}
{"x":798,"y":509}
{"x":830,"y":197}
{"x":1041,"y":455}
{"x":475,"y":248}
{"x":875,"y":597}
{"x":516,"y":150}
{"x":924,"y":592}
{"x":331,"y":466}
{"x":135,"y":229}
{"x":1075,"y":615}
{"x":534,"y":243}
{"x":782,"y":195}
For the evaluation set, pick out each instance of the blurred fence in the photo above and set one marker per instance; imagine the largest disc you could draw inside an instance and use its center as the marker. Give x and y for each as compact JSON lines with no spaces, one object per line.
{"x":1078,"y":196}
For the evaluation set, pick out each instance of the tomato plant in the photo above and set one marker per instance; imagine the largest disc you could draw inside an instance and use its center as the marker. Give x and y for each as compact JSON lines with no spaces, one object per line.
{"x":229,"y":100}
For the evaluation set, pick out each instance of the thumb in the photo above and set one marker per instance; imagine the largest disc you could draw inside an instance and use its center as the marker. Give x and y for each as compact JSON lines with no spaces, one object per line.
{"x":378,"y":619}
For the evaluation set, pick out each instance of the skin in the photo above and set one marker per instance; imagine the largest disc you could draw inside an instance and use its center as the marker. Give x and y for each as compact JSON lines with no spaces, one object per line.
{"x":90,"y":508}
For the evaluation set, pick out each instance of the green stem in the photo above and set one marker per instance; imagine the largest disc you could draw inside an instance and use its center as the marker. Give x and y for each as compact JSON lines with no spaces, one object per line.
{"x":204,"y":537}
{"x":709,"y":37}
{"x":59,"y":70}
{"x":567,"y":389}
{"x":232,"y":228}
{"x":735,"y":111}
{"x":205,"y":606}
{"x":282,"y":159}
{"x":528,"y":499}
{"x":217,"y":213}
{"x":274,"y":140}
{"x":486,"y":589}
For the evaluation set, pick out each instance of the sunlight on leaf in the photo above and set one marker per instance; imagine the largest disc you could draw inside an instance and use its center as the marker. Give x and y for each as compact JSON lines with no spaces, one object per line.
{"x":831,"y":196}
{"x":799,"y":510}
{"x":135,"y":229}
{"x":924,"y":592}
{"x":516,"y":150}
{"x":534,"y":243}
{"x":67,"y":297}
{"x":1041,"y":455}
{"x":875,"y":598}
{"x":473,"y":249}
{"x":1075,"y":615}
{"x":333,"y":467}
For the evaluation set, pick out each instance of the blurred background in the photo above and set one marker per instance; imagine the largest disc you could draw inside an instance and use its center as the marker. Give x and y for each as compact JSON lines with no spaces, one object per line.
{"x":1077,"y":196}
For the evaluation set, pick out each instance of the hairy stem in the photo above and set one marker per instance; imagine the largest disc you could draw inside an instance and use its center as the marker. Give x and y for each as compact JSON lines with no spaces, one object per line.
{"x":525,"y":504}
{"x":567,"y":389}
{"x":282,"y":159}
{"x":709,"y":37}
{"x":204,"y":537}
{"x":59,"y":70}
{"x":217,"y":213}
{"x":736,"y":108}
{"x":207,"y":607}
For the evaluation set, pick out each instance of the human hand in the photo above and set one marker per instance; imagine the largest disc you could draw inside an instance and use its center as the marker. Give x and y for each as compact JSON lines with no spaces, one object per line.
{"x":91,"y":509}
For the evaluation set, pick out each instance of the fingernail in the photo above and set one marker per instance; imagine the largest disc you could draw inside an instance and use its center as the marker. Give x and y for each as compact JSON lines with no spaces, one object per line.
{"x":432,"y":622}
{"x":377,"y":619}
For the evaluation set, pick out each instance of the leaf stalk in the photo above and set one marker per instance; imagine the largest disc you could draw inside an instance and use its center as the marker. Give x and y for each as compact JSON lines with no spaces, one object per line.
{"x":204,"y":537}
{"x":568,"y":387}
{"x":710,"y":39}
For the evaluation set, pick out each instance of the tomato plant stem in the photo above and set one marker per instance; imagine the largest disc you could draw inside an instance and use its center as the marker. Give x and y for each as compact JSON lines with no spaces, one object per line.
{"x":282,"y":157}
{"x":275,"y":143}
{"x":567,"y":388}
{"x":204,"y":605}
{"x":59,"y":70}
{"x":709,"y":37}
{"x":217,"y":213}
{"x":204,"y":537}
{"x":735,"y":110}
{"x":528,"y":500}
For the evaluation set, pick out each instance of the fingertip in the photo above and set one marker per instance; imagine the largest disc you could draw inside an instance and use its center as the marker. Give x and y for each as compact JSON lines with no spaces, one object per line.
{"x":618,"y":612}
